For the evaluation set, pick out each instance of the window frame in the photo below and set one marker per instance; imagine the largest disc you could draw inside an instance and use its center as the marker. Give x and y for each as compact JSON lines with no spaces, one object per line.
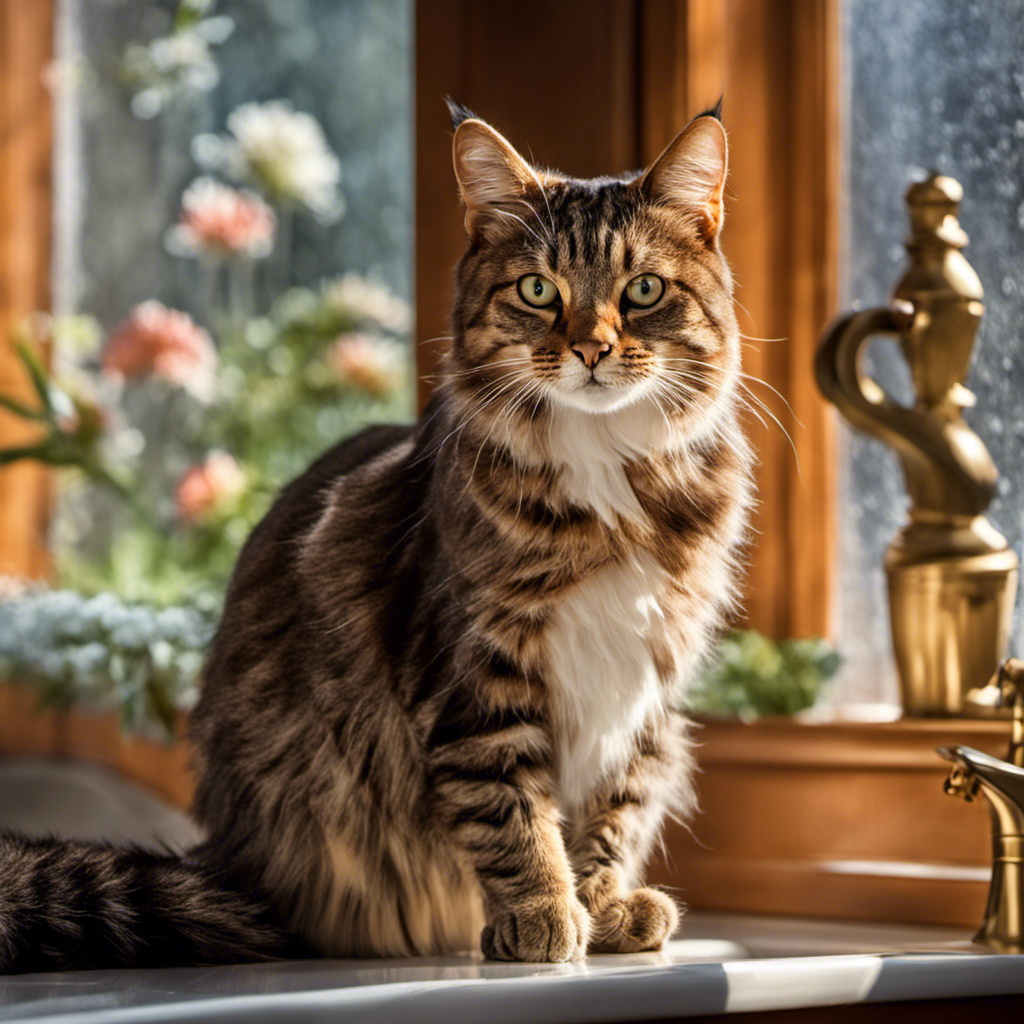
{"x":664,"y":60}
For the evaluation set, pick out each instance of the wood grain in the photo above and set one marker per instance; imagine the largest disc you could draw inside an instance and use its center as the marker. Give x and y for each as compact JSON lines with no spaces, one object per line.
{"x":26,"y":47}
{"x":567,"y":95}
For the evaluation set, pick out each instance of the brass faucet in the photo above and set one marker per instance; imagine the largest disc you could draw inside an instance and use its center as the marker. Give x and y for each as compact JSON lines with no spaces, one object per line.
{"x":1002,"y":782}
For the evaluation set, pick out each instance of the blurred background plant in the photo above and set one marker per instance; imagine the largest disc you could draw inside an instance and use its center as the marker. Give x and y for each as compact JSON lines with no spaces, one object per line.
{"x":172,"y":436}
{"x":751,"y":677}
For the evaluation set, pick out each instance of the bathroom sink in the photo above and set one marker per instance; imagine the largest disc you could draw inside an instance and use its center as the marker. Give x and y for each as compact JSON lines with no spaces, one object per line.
{"x":720,"y":964}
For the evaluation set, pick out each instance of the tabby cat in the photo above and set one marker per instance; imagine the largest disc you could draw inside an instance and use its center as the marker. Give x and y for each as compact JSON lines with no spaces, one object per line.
{"x":442,"y":705}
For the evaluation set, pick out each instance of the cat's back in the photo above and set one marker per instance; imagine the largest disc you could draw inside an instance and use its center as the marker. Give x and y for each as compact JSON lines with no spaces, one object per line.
{"x":267,"y":653}
{"x":270,"y":548}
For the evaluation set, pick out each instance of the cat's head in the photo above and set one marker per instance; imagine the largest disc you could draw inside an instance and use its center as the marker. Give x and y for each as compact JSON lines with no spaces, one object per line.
{"x":595,"y":294}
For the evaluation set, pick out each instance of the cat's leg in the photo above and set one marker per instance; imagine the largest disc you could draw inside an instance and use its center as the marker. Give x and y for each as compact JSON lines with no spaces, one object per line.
{"x":490,"y":762}
{"x":611,"y":836}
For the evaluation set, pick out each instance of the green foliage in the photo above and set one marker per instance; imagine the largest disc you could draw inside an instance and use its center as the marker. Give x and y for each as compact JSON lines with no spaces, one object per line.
{"x":754,"y":677}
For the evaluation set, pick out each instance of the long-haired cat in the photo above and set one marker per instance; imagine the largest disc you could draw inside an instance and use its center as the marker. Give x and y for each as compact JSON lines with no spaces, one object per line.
{"x":441,"y":709}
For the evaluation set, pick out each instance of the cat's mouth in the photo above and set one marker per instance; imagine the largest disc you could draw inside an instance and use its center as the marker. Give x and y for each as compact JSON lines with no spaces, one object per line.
{"x":595,"y":395}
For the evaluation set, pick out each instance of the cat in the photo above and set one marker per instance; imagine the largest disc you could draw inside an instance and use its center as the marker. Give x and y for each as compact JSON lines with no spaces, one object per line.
{"x":441,"y":710}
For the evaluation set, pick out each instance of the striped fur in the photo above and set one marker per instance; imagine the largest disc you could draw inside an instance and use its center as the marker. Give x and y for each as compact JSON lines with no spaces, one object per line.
{"x":440,"y":710}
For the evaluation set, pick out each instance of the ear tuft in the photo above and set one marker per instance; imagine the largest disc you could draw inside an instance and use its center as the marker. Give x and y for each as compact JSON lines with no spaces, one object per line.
{"x":715,"y":111}
{"x":690,"y":174}
{"x":489,"y":170}
{"x":458,"y":112}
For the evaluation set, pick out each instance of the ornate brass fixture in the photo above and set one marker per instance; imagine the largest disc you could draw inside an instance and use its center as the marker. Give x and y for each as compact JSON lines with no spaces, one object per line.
{"x":1002,"y":782}
{"x":951,"y":576}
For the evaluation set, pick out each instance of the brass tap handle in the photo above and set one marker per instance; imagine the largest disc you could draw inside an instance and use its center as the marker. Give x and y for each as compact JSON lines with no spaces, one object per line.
{"x":1009,"y":681}
{"x":935,"y":313}
{"x":947,"y":469}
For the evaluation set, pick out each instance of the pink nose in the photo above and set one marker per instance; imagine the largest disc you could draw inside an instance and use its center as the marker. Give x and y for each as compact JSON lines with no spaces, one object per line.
{"x":591,"y":352}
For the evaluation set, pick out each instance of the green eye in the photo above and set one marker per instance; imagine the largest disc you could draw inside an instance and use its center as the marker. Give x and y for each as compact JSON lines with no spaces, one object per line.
{"x":644,"y":290}
{"x":537,"y":291}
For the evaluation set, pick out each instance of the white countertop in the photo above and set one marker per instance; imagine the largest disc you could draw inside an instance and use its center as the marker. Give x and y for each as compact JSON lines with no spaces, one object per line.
{"x":721,"y":964}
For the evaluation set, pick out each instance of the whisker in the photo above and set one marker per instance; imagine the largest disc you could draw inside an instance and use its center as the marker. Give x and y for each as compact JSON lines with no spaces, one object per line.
{"x":534,"y":211}
{"x":515,"y":216}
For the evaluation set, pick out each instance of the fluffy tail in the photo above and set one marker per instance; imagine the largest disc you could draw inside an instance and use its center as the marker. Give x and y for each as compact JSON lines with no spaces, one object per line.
{"x":71,"y":905}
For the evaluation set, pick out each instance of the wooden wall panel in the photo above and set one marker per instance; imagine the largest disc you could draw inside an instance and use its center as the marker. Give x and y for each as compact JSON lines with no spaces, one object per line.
{"x":559,"y":80}
{"x":604,"y":87}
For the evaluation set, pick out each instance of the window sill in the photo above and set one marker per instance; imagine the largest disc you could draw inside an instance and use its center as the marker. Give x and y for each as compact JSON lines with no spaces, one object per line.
{"x":836,"y":820}
{"x":839,"y":820}
{"x":162,"y":768}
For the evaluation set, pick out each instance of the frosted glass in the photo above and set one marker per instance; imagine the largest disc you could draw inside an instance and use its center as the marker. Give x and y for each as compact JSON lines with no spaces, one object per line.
{"x":928,"y":84}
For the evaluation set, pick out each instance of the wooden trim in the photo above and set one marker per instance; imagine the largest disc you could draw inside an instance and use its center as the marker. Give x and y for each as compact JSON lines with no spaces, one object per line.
{"x":837,"y":820}
{"x":781,"y":102}
{"x":26,"y":48}
{"x":813,"y":267}
{"x":160,"y":767}
{"x":26,"y":133}
{"x":789,"y":743}
{"x":660,"y":62}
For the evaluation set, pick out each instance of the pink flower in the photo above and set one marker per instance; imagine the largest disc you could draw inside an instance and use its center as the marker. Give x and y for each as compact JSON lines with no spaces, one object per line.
{"x":208,"y":486}
{"x":222,"y":221}
{"x":367,"y":362}
{"x":165,"y":342}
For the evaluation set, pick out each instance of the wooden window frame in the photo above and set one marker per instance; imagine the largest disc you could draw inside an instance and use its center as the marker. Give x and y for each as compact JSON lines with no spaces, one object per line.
{"x":26,"y":143}
{"x":660,"y":62}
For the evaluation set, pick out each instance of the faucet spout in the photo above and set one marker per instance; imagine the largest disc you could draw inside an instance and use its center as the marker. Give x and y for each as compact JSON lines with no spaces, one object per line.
{"x":1002,"y":783}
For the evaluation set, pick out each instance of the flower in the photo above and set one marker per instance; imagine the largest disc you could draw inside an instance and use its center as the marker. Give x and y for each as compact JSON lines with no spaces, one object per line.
{"x":208,"y":487}
{"x":222,"y":221}
{"x":11,"y":587}
{"x":170,"y":65}
{"x":280,"y":149}
{"x":367,"y":362}
{"x":165,"y":342}
{"x":369,"y":299}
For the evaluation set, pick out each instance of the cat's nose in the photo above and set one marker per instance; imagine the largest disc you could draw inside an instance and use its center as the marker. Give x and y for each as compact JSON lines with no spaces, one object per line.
{"x":591,"y":352}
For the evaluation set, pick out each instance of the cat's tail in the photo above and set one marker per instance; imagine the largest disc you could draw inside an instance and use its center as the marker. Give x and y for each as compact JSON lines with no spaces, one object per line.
{"x":74,"y":906}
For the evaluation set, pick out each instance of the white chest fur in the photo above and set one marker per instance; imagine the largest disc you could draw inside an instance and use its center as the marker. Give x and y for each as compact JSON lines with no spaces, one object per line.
{"x":602,"y":676}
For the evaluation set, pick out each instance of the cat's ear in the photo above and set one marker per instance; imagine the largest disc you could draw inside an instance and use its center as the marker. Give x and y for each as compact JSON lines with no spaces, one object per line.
{"x":489,"y":171}
{"x":690,"y":174}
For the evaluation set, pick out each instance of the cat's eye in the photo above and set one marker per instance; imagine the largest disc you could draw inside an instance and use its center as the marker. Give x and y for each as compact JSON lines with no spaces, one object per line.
{"x":537,"y":291}
{"x":645,"y":290}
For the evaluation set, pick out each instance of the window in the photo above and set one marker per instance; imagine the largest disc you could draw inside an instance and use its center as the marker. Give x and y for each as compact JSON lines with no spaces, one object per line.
{"x":928,"y":85}
{"x":148,"y":92}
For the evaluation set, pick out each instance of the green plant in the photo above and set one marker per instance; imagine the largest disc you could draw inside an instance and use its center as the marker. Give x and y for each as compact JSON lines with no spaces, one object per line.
{"x":753,"y":677}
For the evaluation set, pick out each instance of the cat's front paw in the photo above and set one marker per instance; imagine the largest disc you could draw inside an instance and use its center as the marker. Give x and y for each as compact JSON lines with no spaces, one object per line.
{"x":637,"y":921}
{"x":542,"y":930}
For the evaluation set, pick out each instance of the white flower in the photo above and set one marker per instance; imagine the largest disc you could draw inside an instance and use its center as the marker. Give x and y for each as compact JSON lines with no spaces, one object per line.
{"x":280,"y":149}
{"x":370,"y":299}
{"x":175,"y":63}
{"x":11,"y":587}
